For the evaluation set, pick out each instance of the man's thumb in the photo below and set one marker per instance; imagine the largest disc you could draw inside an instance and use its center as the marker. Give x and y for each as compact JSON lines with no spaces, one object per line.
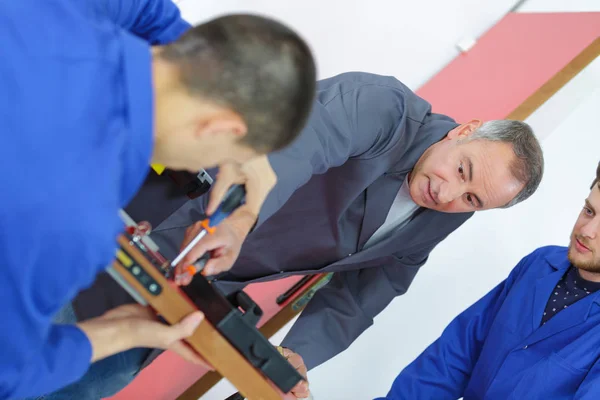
{"x":188,"y":325}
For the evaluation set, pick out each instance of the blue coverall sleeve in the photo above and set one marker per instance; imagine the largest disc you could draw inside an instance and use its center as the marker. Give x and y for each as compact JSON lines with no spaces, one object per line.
{"x":157,"y":21}
{"x":442,"y":371}
{"x":37,"y":356}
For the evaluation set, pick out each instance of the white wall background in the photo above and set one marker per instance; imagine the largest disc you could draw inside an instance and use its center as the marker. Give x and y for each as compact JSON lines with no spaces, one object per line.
{"x":413,"y":40}
{"x":406,"y":38}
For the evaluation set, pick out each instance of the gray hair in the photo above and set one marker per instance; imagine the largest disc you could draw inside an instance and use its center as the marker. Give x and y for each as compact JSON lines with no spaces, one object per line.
{"x":528,"y":165}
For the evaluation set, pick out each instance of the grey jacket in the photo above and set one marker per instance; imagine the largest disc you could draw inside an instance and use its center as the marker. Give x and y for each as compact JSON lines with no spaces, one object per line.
{"x":336,"y":184}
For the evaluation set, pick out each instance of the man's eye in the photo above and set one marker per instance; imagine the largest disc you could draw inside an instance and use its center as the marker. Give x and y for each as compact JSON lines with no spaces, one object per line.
{"x":470,"y":199}
{"x":461,"y":170}
{"x":588,"y":211}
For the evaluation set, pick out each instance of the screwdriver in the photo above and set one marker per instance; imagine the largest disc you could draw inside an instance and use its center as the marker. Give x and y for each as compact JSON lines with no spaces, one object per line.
{"x":235,"y":197}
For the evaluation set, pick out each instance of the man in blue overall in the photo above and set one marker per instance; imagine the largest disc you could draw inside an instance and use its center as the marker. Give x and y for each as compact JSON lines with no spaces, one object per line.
{"x":92,"y":93}
{"x":535,"y":336}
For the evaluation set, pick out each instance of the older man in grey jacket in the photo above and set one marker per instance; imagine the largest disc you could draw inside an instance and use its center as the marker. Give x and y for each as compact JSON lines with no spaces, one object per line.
{"x":372,"y":185}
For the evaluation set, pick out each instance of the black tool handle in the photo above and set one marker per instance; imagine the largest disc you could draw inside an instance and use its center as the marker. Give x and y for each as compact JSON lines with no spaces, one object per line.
{"x":235,"y":197}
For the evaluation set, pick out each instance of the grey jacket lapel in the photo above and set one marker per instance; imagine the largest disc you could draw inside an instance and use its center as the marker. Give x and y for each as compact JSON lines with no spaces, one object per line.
{"x":379,"y":198}
{"x":425,"y":230}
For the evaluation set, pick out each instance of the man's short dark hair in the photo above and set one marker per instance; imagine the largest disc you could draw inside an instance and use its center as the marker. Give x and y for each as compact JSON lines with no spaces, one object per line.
{"x":597,"y":180}
{"x":255,"y":66}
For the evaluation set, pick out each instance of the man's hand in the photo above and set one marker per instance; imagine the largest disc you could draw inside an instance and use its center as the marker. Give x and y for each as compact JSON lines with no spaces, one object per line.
{"x":224,"y":245}
{"x":256,"y":174}
{"x":133,"y":325}
{"x":301,"y":390}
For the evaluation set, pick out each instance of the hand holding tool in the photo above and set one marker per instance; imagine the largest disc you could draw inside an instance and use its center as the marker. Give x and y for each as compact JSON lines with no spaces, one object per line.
{"x":234,"y":198}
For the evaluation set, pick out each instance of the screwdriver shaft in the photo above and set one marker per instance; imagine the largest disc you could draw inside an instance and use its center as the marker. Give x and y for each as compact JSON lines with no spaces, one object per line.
{"x":188,"y":248}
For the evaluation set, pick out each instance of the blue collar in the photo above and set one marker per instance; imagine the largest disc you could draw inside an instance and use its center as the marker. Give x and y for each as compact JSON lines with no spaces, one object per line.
{"x":558,"y":259}
{"x":137,"y":154}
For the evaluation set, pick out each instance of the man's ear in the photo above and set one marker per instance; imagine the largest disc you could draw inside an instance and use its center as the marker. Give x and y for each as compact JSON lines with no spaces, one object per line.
{"x":224,"y":124}
{"x":464,"y":130}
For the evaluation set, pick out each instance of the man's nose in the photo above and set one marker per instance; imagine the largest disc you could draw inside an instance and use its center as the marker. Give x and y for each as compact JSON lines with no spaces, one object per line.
{"x":448,"y":193}
{"x":592,"y":228}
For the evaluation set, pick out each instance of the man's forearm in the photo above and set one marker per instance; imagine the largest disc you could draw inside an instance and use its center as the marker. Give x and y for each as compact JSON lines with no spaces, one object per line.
{"x":108,"y":336}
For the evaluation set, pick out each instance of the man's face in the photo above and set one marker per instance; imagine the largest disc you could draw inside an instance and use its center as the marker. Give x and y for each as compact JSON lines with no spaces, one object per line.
{"x":584,"y":248}
{"x":454,"y":176}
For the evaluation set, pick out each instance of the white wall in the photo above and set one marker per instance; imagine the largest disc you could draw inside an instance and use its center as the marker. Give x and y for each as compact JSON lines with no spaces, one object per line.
{"x":411,"y":40}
